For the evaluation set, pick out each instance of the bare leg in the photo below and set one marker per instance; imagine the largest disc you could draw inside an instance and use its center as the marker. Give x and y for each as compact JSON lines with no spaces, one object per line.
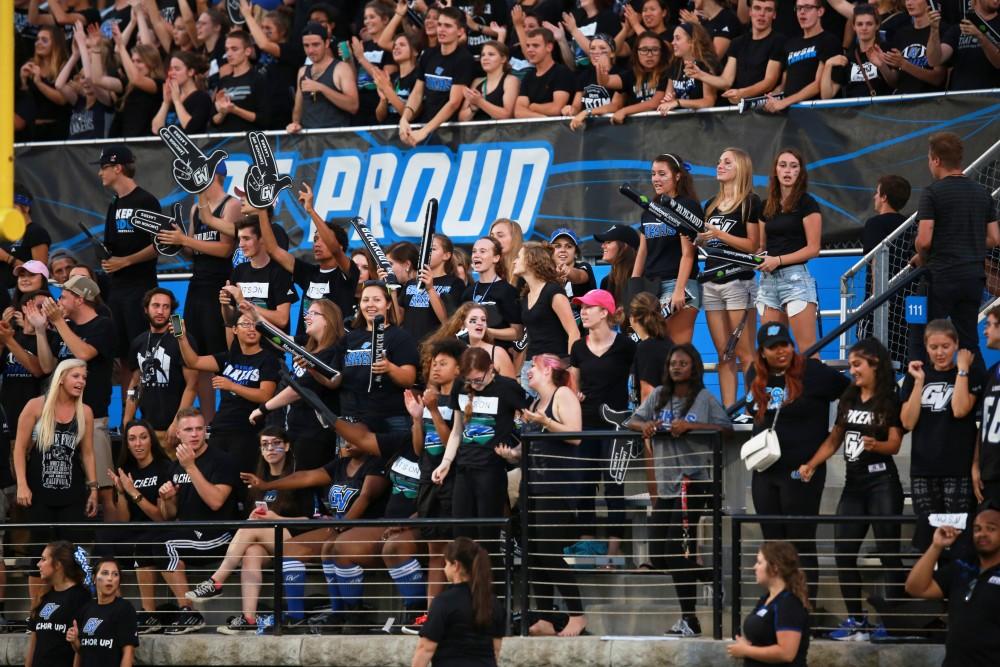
{"x":401,"y":547}
{"x":251,"y":578}
{"x":803,"y":326}
{"x":744,"y":348}
{"x":680,"y":326}
{"x":720,"y":328}
{"x":206,"y":396}
{"x":146,"y":578}
{"x":774,"y":315}
{"x":177,"y":580}
{"x":106,"y":498}
{"x":242,"y":541}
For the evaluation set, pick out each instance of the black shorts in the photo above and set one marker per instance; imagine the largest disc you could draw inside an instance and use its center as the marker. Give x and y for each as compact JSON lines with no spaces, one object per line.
{"x":52,"y":515}
{"x":129,"y":318}
{"x":434,"y":502}
{"x":203,"y":319}
{"x":196,"y":549}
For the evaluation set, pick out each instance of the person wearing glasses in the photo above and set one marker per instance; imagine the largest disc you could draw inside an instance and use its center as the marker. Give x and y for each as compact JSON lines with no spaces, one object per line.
{"x":372,"y":390}
{"x":805,"y":57}
{"x":246,"y":376}
{"x":971,"y":586}
{"x":250,"y":547}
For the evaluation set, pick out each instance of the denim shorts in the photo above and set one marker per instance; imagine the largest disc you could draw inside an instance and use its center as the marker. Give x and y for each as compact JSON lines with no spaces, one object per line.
{"x":693,"y":290}
{"x":734,"y":295}
{"x":791,"y":283}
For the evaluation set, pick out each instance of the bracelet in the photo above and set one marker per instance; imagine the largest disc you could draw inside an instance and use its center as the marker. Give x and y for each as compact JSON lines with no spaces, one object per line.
{"x":263,"y":408}
{"x":780,"y":263}
{"x":92,"y":485}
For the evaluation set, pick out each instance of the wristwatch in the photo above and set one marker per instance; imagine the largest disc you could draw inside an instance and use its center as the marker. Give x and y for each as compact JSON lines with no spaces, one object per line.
{"x":963,"y":374}
{"x":137,"y":498}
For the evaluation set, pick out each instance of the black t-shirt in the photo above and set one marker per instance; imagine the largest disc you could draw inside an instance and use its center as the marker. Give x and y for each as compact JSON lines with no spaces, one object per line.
{"x":642,"y":91}
{"x":288,"y":503}
{"x":355,"y":354}
{"x":733,"y":222}
{"x":603,"y":379}
{"x":942,"y":445}
{"x":105,"y":630}
{"x":877,"y":228}
{"x":960,"y":209}
{"x":419,"y":319}
{"x":489,"y":11}
{"x":912,"y":44}
{"x":603,"y":22}
{"x":663,"y":244}
{"x":649,"y":362}
{"x":754,"y":55}
{"x":266,"y":287}
{"x":989,"y":433}
{"x":246,"y":370}
{"x":491,"y":422}
{"x":161,"y":375}
{"x":56,"y":613}
{"x":18,"y":385}
{"x":804,"y":423}
{"x":541,"y":89}
{"x":34,"y":235}
{"x":970,"y":69}
{"x":346,"y":487}
{"x":403,"y":85}
{"x":545,"y":330}
{"x":201,"y":108}
{"x":330,"y":284}
{"x":686,"y":88}
{"x":248,"y":92}
{"x":280,"y":77}
{"x":572,"y":289}
{"x":852,"y":79}
{"x":593,"y":95}
{"x":123,"y":239}
{"x":100,"y":334}
{"x":367,"y":90}
{"x":301,"y":418}
{"x":859,"y":420}
{"x":218,"y":468}
{"x":973,"y":638}
{"x":403,"y":470}
{"x":501,"y":299}
{"x":147,"y":482}
{"x":725,"y":24}
{"x":138,"y":110}
{"x":450,"y":625}
{"x":786,"y":231}
{"x":803,"y":57}
{"x":434,"y":445}
{"x":784,"y":613}
{"x":439,"y":73}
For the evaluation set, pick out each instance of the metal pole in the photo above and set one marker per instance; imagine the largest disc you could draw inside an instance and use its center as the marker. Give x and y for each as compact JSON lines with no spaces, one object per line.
{"x":279,"y":578}
{"x":508,"y":563}
{"x":736,"y":603}
{"x":525,"y":503}
{"x":717,"y":535}
{"x":11,"y":219}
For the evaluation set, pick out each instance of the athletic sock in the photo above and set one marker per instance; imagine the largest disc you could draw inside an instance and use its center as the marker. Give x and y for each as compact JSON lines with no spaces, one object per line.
{"x":332,"y":585}
{"x":409,"y":578}
{"x":295,"y":587}
{"x":350,"y":581}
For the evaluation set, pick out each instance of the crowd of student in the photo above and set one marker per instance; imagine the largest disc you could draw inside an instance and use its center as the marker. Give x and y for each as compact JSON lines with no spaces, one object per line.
{"x":126,"y":68}
{"x":513,"y":337}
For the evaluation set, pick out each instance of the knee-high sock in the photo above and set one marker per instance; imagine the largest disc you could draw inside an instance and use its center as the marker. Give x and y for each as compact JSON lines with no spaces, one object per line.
{"x":332,"y":585}
{"x":295,"y":587}
{"x":409,"y":578}
{"x":350,"y":581}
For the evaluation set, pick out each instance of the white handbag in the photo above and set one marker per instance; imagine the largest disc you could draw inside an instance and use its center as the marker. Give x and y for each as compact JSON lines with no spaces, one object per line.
{"x":763,"y":450}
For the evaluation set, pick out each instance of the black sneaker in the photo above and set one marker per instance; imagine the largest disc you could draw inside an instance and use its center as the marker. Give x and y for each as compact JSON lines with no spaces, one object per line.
{"x":323,"y":623}
{"x":206,"y":590}
{"x":688,"y":626}
{"x":237,"y":625}
{"x":186,"y":622}
{"x":149,"y":623}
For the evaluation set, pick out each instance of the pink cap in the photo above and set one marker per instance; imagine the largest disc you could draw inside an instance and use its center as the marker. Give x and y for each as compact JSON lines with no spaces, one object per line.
{"x":597,"y":297}
{"x":33,"y":266}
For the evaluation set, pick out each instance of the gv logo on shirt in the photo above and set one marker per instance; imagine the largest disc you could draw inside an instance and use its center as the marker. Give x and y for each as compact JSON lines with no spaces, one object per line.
{"x":48,"y":610}
{"x":853,"y":445}
{"x":90,"y":627}
{"x":340,"y":497}
{"x":937,"y":396}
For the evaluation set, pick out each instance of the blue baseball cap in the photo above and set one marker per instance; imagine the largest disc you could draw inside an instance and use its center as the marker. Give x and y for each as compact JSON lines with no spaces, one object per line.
{"x":567,"y":232}
{"x":221,"y":170}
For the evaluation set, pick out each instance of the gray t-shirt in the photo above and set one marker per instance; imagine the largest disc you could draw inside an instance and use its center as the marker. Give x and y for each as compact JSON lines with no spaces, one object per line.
{"x":686,"y":455}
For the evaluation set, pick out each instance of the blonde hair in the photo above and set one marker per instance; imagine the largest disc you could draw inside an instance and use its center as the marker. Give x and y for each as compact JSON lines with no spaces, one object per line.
{"x":46,"y":427}
{"x":742,"y":183}
{"x":516,"y":241}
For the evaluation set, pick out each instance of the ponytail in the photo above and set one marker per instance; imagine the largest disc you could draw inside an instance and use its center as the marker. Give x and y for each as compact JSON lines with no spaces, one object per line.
{"x":475,"y":560}
{"x":783,"y":561}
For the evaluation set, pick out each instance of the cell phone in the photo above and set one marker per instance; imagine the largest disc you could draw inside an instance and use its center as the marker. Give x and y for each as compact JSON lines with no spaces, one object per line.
{"x":178,"y":325}
{"x":344,"y":51}
{"x":260,"y":507}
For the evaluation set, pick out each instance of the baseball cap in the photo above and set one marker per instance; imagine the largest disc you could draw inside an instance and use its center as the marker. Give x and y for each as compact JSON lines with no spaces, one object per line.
{"x":83,"y":287}
{"x":63,"y":253}
{"x":597,"y":297}
{"x":772,"y":333}
{"x":568,"y":233}
{"x":314,"y":28}
{"x":115,"y":154}
{"x":33,"y":266}
{"x":622,"y":233}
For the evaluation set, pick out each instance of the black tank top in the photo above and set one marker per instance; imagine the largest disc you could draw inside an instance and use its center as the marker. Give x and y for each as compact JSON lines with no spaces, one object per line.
{"x":545,"y":329}
{"x":209,"y":270}
{"x":554,"y":463}
{"x":495,"y":96}
{"x":55,"y":476}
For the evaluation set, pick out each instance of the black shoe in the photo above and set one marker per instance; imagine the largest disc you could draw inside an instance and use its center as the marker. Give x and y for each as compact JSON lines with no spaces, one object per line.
{"x":237,"y":625}
{"x":204,"y":591}
{"x":149,"y":623}
{"x":187,"y":621}
{"x":688,"y":626}
{"x":323,"y":623}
